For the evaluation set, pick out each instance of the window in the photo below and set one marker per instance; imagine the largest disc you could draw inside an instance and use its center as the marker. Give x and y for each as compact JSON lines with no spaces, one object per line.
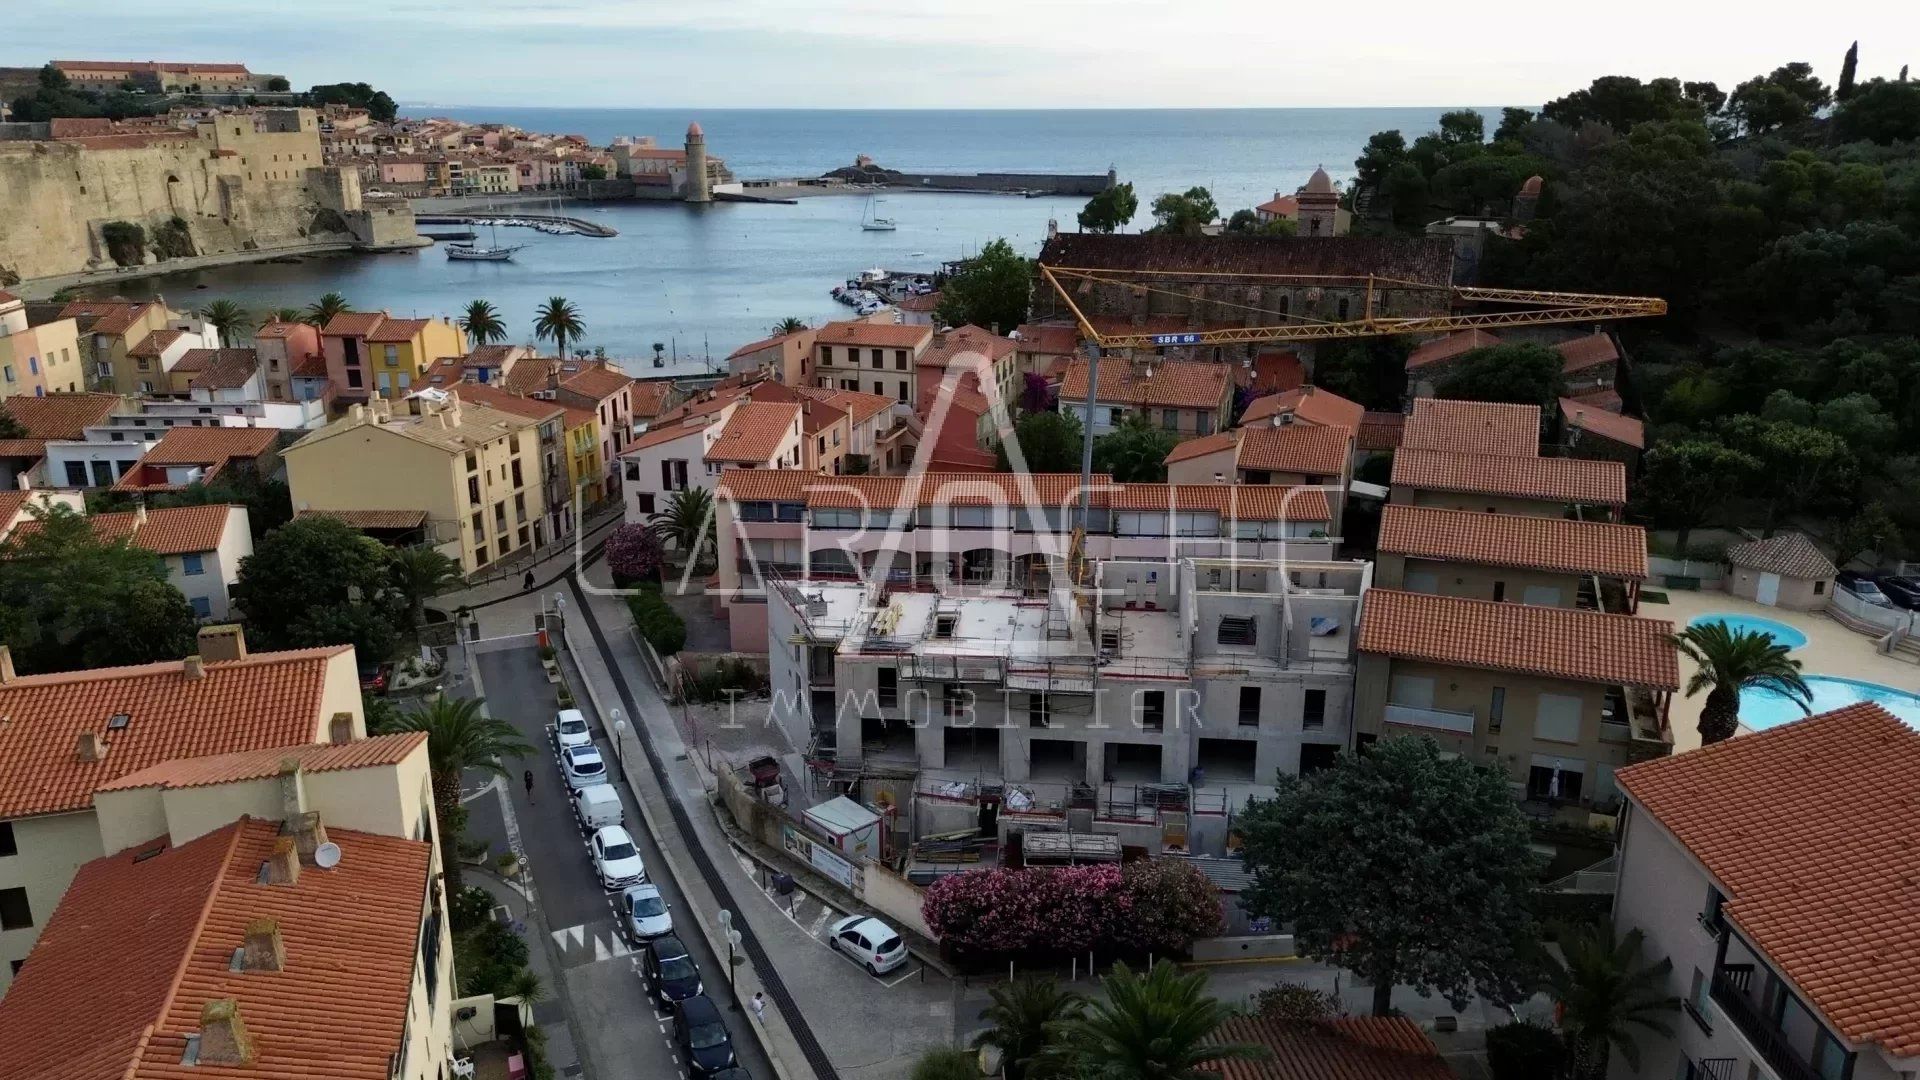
{"x":478,"y":525}
{"x":392,"y":353}
{"x":1203,"y":423}
{"x":15,"y":913}
{"x":1313,"y":712}
{"x":192,"y":565}
{"x":1170,"y":419}
{"x":76,"y":474}
{"x":1153,"y":709}
{"x":1499,"y":591}
{"x":1496,"y":710}
{"x":1039,"y":711}
{"x":473,"y":461}
{"x":1558,"y":718}
{"x":517,"y":480}
{"x":889,"y":688}
{"x":1317,"y":756}
{"x":1696,"y":1002}
{"x":7,"y":843}
{"x":202,"y":607}
{"x":899,"y":359}
{"x":646,"y":502}
{"x":1249,"y":706}
{"x":1819,"y":588}
{"x":1237,"y":630}
{"x":943,"y":625}
{"x":879,"y":388}
{"x":1116,"y":417}
{"x":876,"y":360}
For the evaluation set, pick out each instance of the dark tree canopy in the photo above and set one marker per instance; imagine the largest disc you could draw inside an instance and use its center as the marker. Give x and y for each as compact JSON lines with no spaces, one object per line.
{"x":1516,"y":373}
{"x":1110,"y":210}
{"x":992,"y":290}
{"x":1186,"y":212}
{"x":1048,"y":442}
{"x":71,"y":600}
{"x":314,"y":581}
{"x":1135,"y":452}
{"x":359,"y":95}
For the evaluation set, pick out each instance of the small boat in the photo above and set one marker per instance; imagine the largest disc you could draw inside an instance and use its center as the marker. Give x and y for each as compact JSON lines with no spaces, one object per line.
{"x":468,"y":253}
{"x":872,"y":223}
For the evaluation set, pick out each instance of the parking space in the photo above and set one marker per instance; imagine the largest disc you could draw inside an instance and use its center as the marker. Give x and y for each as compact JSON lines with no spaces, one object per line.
{"x":815,"y":918}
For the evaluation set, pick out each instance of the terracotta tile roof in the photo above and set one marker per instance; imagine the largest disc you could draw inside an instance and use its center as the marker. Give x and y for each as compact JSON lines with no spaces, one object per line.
{"x":278,"y":329}
{"x":649,"y":398}
{"x":767,"y":343}
{"x":209,"y":445}
{"x":271,"y":761}
{"x":221,"y":369}
{"x":1381,"y":431}
{"x":351,"y":936}
{"x":176,"y":530}
{"x":109,"y":317}
{"x":1812,"y":832}
{"x":925,"y":303}
{"x":754,"y":431}
{"x":1448,"y":347}
{"x":495,"y":398}
{"x":1280,"y":206}
{"x":354,"y":323}
{"x":873,"y":334}
{"x":663,"y":433}
{"x":954,"y":489}
{"x":964,"y":340}
{"x":862,"y":406}
{"x":154,"y":344}
{"x":1561,"y":545}
{"x":1309,"y":403}
{"x":764,"y":485}
{"x":490,"y":355}
{"x":268,"y":699}
{"x":963,"y":397}
{"x":395,"y":331}
{"x":1051,"y":338}
{"x":309,"y":366}
{"x":527,"y":375}
{"x":1591,"y":351}
{"x":60,"y":416}
{"x":1605,"y":398}
{"x":1473,"y":427}
{"x":1566,"y":480}
{"x":1561,"y":643}
{"x":1277,"y":371}
{"x":1233,"y":502}
{"x":1204,"y":445}
{"x":23,"y":448}
{"x":1594,"y":420}
{"x":372,"y":519}
{"x":1790,"y":554}
{"x":1184,"y":384}
{"x":1295,"y":448}
{"x":598,"y":381}
{"x":1427,"y":260}
{"x":1345,"y":1048}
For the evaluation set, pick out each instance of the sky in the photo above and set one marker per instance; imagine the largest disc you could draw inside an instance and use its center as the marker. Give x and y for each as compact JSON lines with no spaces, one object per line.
{"x":976,"y":54}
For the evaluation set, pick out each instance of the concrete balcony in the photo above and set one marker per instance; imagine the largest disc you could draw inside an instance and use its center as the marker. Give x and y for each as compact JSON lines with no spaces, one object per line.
{"x":1458,"y":723}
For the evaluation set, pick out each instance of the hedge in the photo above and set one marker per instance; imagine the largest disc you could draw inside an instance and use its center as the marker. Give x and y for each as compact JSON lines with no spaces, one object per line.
{"x":657,"y":622}
{"x":1151,"y":906}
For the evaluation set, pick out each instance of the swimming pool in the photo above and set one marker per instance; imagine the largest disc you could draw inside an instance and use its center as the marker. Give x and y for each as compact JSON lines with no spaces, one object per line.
{"x":1782,"y":633}
{"x":1763,"y":709}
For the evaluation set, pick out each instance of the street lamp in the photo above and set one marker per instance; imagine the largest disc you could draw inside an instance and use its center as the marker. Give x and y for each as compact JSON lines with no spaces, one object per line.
{"x":733,"y":942}
{"x":619,"y":735}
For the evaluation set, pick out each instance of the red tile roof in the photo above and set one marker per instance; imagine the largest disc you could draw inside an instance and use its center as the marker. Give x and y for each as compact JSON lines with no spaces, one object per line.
{"x":1591,"y":351}
{"x":1561,"y":643}
{"x":649,"y":398}
{"x":1280,"y":206}
{"x":1381,"y":431}
{"x":1184,"y":384}
{"x":1561,"y":545}
{"x":372,"y":519}
{"x":1565,"y":480}
{"x":1233,"y":502}
{"x":1295,"y":448}
{"x":177,"y":530}
{"x":154,"y":344}
{"x":873,"y":334}
{"x":60,"y":416}
{"x":1204,"y":445}
{"x":220,"y":369}
{"x":754,"y":431}
{"x":209,"y":445}
{"x":23,"y":448}
{"x":268,"y":699}
{"x":1309,"y":403}
{"x":1277,"y":371}
{"x":1790,"y":554}
{"x":272,"y":761}
{"x":109,"y":316}
{"x":1473,"y":427}
{"x":395,"y":331}
{"x":925,"y":303}
{"x":598,"y":381}
{"x":1048,"y":339}
{"x":862,"y":406}
{"x":494,"y":397}
{"x":964,"y":341}
{"x":764,"y":485}
{"x":1594,"y":420}
{"x":1813,"y":834}
{"x":1345,"y":1048}
{"x":1448,"y":347}
{"x":354,"y":323}
{"x":954,"y":489}
{"x":351,"y":937}
{"x":767,"y":343}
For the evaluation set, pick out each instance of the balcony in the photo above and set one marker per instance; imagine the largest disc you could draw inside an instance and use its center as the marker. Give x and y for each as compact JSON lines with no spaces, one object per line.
{"x":1730,"y":985}
{"x":1459,"y":723}
{"x":1710,"y":1069}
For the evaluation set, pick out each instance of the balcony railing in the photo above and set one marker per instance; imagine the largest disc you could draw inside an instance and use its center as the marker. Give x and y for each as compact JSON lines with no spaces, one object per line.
{"x":1436,"y":719}
{"x":1765,"y":1037}
{"x":1711,"y":1069}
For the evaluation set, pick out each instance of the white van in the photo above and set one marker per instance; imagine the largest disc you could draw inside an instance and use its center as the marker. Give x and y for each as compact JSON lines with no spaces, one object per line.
{"x":598,"y":806}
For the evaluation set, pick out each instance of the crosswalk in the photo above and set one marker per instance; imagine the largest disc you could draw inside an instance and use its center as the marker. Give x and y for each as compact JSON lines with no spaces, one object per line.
{"x":590,"y":943}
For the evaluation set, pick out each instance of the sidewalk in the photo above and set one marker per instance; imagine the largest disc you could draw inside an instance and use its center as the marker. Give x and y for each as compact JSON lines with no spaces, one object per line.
{"x":548,"y":1013}
{"x":549,"y":572}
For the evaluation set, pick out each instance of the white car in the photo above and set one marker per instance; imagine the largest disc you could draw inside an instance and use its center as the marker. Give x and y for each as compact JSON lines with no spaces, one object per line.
{"x":583,"y":767}
{"x":871,"y":943}
{"x":615,"y":858}
{"x":646,"y":912}
{"x":570,"y":729}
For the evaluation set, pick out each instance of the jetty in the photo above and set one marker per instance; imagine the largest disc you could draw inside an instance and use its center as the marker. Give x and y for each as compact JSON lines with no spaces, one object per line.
{"x":579,"y":225}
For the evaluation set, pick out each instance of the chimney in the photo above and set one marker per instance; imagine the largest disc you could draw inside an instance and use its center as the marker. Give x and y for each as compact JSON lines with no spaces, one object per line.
{"x":223,"y":1038}
{"x":89,"y":748}
{"x":293,"y":790}
{"x":139,"y":512}
{"x":220,"y":643}
{"x":340,"y":728}
{"x":307,"y":832}
{"x":283,"y":866}
{"x":193,"y":668}
{"x":263,"y":950}
{"x":6,"y":666}
{"x":357,"y":413}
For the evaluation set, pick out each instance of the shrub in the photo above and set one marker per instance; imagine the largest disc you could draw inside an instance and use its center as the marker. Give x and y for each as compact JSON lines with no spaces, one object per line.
{"x":1294,"y":1002}
{"x":1523,"y":1051}
{"x":658,"y":623}
{"x":1173,"y":903}
{"x":633,"y":554}
{"x":470,"y":907}
{"x":727,"y":679}
{"x":945,"y":1063}
{"x":126,"y":242}
{"x":487,"y":957}
{"x":1157,"y":906}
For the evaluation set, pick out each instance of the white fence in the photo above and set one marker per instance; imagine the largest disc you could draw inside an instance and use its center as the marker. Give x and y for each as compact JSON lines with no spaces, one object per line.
{"x":1849,"y":608}
{"x":1710,"y":574}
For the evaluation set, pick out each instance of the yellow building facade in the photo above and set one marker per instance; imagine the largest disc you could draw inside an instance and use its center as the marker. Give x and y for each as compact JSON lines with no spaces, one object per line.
{"x":585,"y":469}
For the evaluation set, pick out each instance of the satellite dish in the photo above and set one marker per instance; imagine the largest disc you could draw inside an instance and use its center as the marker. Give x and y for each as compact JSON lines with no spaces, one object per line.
{"x":327,"y":856}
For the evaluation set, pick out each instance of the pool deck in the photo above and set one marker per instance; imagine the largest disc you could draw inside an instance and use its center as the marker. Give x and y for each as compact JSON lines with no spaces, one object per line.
{"x":1831,"y":649}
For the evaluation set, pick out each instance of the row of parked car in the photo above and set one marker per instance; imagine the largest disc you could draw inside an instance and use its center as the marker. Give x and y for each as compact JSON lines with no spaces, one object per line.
{"x":672,"y":978}
{"x":1882,"y":589}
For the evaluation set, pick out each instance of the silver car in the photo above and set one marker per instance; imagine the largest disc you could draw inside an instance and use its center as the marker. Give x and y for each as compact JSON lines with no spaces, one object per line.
{"x":583,"y":767}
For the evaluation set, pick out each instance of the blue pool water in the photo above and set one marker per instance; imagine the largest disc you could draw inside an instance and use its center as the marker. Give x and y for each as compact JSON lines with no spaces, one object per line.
{"x":1763,"y":709}
{"x":1782,"y":633}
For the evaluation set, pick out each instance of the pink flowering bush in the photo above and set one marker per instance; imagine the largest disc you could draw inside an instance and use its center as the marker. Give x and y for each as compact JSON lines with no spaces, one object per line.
{"x":1147,"y":906}
{"x":634,"y":554}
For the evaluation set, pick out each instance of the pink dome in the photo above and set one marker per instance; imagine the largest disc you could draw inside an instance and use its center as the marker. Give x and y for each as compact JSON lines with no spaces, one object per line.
{"x":693,"y":130}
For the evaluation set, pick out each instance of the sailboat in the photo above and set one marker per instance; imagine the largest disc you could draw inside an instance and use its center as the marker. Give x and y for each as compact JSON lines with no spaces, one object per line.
{"x":470,"y":253}
{"x":871,"y":223}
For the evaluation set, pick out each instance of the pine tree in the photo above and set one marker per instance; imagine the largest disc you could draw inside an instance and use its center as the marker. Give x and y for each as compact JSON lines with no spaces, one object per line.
{"x":1847,"y":66}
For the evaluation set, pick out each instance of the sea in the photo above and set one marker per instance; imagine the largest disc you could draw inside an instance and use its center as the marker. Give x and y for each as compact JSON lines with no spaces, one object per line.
{"x":702,"y":280}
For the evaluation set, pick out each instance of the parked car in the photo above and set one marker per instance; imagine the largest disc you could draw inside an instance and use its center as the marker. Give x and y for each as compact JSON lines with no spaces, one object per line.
{"x":702,"y":1034}
{"x":615,"y":858}
{"x":734,"y":1073}
{"x":570,"y":729}
{"x":872,"y":943}
{"x":583,"y":767}
{"x":375,"y":676}
{"x":597,"y":805}
{"x":646,"y":912}
{"x":1902,"y":591}
{"x":671,"y":974}
{"x":1863,"y":587}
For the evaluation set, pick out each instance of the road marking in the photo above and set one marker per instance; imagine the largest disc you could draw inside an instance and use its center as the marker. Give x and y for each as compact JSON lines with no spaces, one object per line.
{"x":820,"y":923}
{"x":600,"y":950}
{"x":483,"y":789}
{"x":911,"y":972}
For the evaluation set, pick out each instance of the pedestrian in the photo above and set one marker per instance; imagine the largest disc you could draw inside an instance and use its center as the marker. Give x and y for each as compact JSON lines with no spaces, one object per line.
{"x":760,"y":1006}
{"x":526,"y":583}
{"x":528,"y":777}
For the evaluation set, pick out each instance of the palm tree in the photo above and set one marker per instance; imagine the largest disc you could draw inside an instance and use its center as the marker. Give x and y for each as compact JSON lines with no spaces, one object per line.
{"x":1025,"y":1013}
{"x":1157,"y":1026}
{"x":560,"y":320}
{"x":227,"y":319}
{"x":1604,"y":992}
{"x":459,"y":737}
{"x":1730,"y":661}
{"x":420,"y":573}
{"x":687,"y":522}
{"x":321,"y":311}
{"x":282,"y":314}
{"x":482,"y":324}
{"x":789,"y":325}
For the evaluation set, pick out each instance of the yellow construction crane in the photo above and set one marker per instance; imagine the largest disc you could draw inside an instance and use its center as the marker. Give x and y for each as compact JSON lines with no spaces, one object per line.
{"x":1532,"y":308}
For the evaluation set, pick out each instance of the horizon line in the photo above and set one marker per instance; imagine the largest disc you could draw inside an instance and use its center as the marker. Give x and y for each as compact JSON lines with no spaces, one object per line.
{"x":941,"y":108}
